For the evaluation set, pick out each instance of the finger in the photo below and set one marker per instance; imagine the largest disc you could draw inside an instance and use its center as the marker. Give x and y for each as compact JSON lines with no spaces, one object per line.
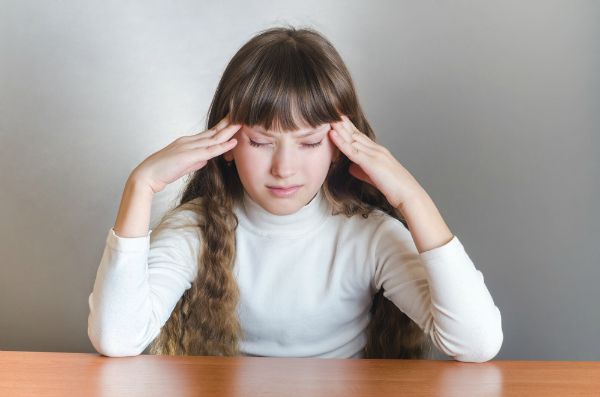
{"x":351,"y":134}
{"x":367,"y":142}
{"x":226,"y":132}
{"x":349,"y":124}
{"x":357,"y":136}
{"x":217,"y":138}
{"x":224,"y":122}
{"x":220,"y":148}
{"x":343,"y":131}
{"x":361,"y":147}
{"x":352,"y":152}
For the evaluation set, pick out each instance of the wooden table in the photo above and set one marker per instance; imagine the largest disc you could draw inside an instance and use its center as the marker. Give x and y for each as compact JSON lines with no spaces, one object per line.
{"x":83,"y":374}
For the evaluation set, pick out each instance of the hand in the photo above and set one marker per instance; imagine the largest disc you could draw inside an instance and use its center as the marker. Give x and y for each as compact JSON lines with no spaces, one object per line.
{"x":374,"y":164}
{"x":186,"y":154}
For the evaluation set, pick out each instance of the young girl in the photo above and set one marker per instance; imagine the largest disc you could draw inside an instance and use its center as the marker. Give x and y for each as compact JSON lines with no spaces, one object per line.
{"x":297,"y":234}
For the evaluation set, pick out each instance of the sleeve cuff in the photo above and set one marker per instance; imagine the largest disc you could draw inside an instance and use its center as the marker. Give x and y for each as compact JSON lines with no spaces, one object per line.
{"x":452,"y":248}
{"x":128,"y":244}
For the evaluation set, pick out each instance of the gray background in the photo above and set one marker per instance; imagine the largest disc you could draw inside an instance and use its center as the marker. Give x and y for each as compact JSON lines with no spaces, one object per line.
{"x":493,"y":107}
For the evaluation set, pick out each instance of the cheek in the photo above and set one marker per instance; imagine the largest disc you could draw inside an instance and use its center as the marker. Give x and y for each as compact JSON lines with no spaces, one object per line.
{"x":250,"y":160}
{"x":330,"y":150}
{"x":318,"y":163}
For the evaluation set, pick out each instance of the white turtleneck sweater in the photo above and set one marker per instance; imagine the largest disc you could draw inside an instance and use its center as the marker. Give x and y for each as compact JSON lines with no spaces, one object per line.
{"x":306,"y":284}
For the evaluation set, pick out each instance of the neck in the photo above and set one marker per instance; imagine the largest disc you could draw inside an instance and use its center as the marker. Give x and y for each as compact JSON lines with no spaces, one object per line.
{"x":260,"y":221}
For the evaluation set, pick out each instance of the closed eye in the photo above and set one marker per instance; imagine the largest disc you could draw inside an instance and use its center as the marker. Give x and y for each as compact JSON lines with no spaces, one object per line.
{"x":257,"y":144}
{"x":313,"y":145}
{"x":309,"y":145}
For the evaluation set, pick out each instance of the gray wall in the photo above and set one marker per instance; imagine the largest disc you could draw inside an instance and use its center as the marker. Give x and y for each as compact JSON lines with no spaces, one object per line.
{"x":492,"y":106}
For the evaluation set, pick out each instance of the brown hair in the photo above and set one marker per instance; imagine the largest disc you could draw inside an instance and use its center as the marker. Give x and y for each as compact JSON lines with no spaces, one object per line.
{"x":279,"y":75}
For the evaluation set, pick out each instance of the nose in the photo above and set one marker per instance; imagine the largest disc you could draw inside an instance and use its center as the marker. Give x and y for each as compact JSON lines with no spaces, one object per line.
{"x":284,"y":163}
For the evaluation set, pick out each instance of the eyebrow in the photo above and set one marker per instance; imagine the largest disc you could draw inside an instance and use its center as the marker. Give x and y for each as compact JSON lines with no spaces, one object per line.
{"x":262,"y":131}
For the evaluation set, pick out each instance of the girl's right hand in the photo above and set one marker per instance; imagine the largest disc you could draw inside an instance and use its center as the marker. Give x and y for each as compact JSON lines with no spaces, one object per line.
{"x":185,"y":154}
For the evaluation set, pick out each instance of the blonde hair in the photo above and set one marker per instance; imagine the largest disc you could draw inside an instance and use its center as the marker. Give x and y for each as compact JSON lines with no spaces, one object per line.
{"x":281,"y":74}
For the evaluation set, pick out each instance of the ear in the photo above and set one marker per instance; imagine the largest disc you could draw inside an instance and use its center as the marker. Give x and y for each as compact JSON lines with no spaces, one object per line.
{"x":228,"y":156}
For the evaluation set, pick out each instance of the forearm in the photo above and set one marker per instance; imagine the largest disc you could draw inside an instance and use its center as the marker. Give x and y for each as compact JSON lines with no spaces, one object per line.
{"x":133,"y":219}
{"x":426,"y":225}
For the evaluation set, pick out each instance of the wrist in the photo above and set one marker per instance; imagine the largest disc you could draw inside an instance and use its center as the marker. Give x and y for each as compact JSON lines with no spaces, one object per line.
{"x":136,"y":182}
{"x":415,"y":200}
{"x":426,"y":225}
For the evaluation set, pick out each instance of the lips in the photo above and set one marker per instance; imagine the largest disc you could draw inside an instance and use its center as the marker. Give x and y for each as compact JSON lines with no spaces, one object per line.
{"x":283,"y":187}
{"x":284,"y":191}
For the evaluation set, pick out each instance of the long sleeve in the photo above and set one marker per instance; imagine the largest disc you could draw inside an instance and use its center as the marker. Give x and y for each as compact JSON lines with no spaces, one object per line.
{"x":441,"y":290}
{"x":138,"y":283}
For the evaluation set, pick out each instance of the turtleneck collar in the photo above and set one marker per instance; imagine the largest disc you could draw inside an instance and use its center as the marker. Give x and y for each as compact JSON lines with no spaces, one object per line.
{"x":260,"y":221}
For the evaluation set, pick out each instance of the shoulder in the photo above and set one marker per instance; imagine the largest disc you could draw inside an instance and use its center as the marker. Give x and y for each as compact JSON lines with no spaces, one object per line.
{"x":376,"y":221}
{"x":374,"y":227}
{"x":388,"y":239}
{"x":178,"y":228}
{"x":388,"y":226}
{"x":175,"y":246}
{"x":185,"y":215}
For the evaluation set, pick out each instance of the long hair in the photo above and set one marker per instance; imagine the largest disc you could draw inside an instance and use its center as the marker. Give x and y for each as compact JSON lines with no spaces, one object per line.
{"x":280,"y":75}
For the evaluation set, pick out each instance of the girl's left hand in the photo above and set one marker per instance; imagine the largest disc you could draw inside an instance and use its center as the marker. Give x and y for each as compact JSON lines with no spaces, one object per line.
{"x":374,"y":164}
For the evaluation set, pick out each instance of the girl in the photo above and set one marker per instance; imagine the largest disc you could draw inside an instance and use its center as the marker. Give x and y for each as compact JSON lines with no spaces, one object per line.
{"x":297,"y":234}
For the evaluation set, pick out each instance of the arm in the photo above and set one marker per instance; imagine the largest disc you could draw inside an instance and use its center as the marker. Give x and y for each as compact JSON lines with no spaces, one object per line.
{"x":139,"y":279}
{"x":425,"y":272}
{"x":441,"y":290}
{"x":133,"y":218}
{"x":426,"y":225}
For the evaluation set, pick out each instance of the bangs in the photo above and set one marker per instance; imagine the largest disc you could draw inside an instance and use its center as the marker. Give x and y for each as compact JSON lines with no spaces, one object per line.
{"x":285,"y":88}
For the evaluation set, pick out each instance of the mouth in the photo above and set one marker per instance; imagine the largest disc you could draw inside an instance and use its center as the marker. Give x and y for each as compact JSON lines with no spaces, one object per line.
{"x":284,"y":191}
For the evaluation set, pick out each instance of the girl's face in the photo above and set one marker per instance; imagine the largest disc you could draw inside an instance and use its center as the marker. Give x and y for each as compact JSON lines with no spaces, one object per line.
{"x":268,"y":161}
